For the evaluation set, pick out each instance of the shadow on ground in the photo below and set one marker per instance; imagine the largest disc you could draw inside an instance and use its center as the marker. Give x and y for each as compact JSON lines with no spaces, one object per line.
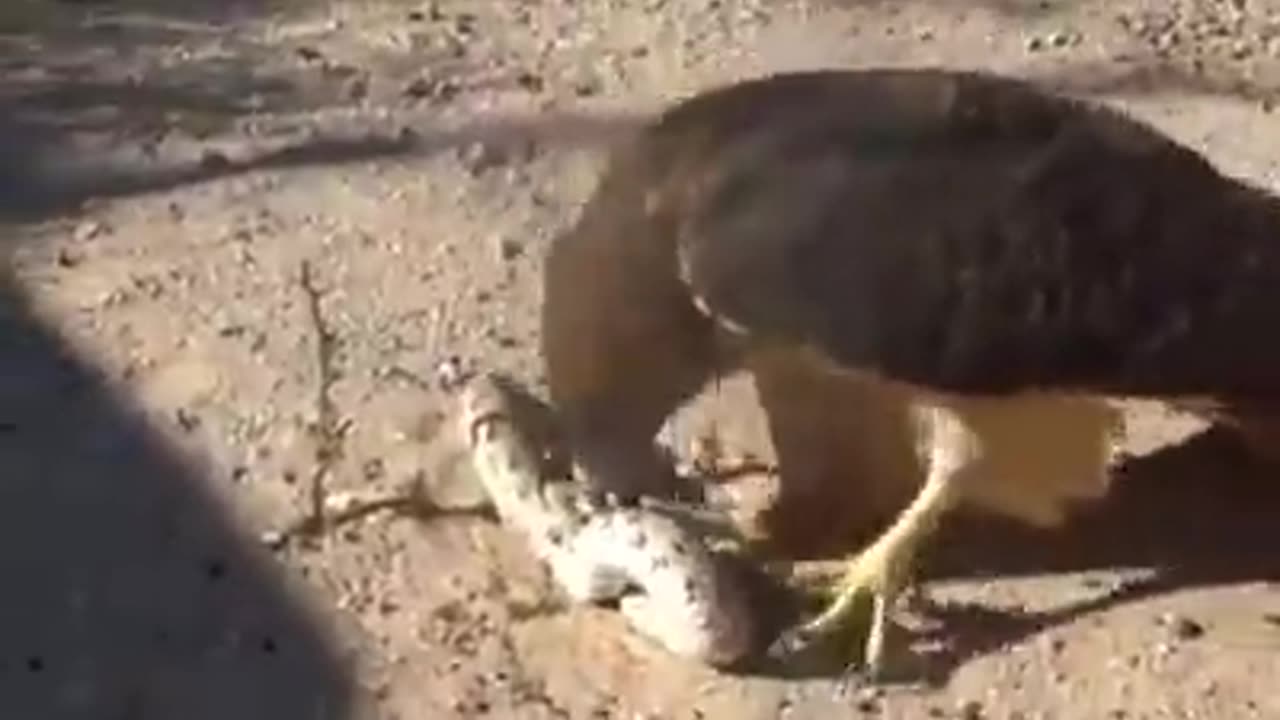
{"x":127,"y":594}
{"x":1197,"y":515}
{"x":102,"y":100}
{"x":109,"y":99}
{"x":91,"y":94}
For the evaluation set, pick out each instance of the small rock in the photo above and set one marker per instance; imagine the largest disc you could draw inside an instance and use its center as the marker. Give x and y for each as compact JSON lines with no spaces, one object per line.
{"x":427,"y":88}
{"x":1188,"y":629}
{"x":89,"y":230}
{"x":1182,"y":628}
{"x":273,"y":539}
{"x":449,"y":373}
{"x":212,"y":159}
{"x":68,"y":258}
{"x":509,"y":249}
{"x":970,"y":710}
{"x":531,"y":82}
{"x":465,"y":24}
{"x":480,"y":157}
{"x":1035,"y":43}
{"x":306,"y":53}
{"x":1272,"y":619}
{"x":587,"y":88}
{"x":373,"y":469}
{"x":419,"y":87}
{"x":187,"y":420}
{"x":356,"y":88}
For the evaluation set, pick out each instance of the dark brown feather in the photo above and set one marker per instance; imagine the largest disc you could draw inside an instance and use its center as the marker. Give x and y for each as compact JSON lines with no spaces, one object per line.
{"x":961,"y":232}
{"x":968,"y":233}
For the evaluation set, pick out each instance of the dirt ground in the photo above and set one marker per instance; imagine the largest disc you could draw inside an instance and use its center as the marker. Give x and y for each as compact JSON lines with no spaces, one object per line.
{"x":251,"y":246}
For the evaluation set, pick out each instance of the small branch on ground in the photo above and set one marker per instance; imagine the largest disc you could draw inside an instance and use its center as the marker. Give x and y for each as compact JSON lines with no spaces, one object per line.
{"x":342,"y":508}
{"x":327,"y":510}
{"x":328,"y":429}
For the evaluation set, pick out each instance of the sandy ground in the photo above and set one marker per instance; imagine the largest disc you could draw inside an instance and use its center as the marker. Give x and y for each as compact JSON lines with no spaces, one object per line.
{"x":171,"y":384}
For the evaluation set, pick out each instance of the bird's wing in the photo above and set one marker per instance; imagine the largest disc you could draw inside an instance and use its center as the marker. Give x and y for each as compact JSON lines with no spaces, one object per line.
{"x":984,"y":257}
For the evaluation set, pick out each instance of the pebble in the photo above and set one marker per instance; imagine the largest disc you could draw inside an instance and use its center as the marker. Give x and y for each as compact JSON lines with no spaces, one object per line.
{"x":306,"y":53}
{"x":970,"y":710}
{"x":419,"y":87}
{"x":212,"y":159}
{"x":509,"y":249}
{"x":356,"y":88}
{"x":187,"y":420}
{"x":68,"y":258}
{"x":373,"y":469}
{"x":480,"y":157}
{"x":88,"y":230}
{"x":449,"y":372}
{"x":1182,"y":628}
{"x":531,"y":82}
{"x":273,"y":539}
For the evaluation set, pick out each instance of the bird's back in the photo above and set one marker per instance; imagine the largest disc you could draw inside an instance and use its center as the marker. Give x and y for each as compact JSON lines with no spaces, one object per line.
{"x":967,"y":232}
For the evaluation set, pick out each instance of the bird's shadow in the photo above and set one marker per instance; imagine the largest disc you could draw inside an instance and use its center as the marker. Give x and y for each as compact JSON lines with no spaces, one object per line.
{"x":1199,"y":514}
{"x":1196,"y":514}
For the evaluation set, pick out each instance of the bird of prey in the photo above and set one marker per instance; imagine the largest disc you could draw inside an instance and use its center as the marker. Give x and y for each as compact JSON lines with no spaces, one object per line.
{"x":1004,"y":261}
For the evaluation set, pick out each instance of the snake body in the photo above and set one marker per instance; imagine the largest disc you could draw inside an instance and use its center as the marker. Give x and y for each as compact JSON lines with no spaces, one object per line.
{"x":665,"y":579}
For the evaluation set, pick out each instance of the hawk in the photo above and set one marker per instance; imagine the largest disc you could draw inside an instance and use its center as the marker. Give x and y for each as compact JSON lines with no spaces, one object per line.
{"x":1002,"y":261}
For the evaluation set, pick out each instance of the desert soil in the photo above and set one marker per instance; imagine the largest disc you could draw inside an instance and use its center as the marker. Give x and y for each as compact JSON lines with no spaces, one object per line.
{"x":250,"y":247}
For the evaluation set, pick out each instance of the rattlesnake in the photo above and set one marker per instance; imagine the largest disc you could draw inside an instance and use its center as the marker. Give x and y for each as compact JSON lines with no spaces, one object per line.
{"x":665,"y":579}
